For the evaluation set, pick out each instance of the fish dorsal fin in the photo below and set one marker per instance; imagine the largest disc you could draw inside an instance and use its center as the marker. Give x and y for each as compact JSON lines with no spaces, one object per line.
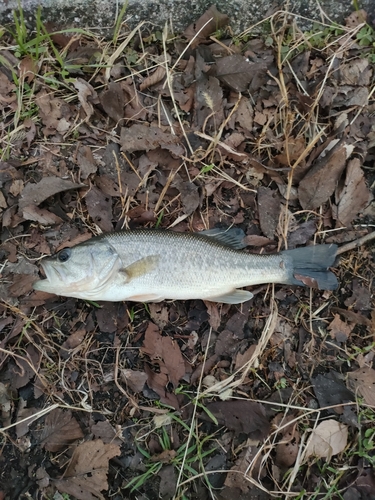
{"x":232,"y":297}
{"x":232,"y":237}
{"x":140,"y":267}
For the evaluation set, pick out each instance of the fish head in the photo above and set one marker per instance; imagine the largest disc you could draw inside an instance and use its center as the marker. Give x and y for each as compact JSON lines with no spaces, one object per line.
{"x":81,"y":271}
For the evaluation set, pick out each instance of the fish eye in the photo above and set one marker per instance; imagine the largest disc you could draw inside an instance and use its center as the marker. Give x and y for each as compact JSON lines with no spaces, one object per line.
{"x":64,"y":254}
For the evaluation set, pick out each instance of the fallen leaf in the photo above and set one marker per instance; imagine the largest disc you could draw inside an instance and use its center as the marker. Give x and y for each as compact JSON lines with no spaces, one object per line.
{"x":35,"y":194}
{"x":355,"y":72}
{"x":103,"y":430}
{"x":269,"y":210}
{"x":41,"y":215}
{"x":354,"y":196}
{"x":134,"y":379}
{"x":74,"y":340}
{"x":328,"y":439}
{"x":361,"y":297}
{"x":363,"y":382}
{"x":85,"y":161}
{"x":61,"y":429}
{"x":163,"y":351}
{"x":208,"y":23}
{"x":288,"y":447}
{"x":321,"y":180}
{"x":86,"y":475}
{"x":55,"y":113}
{"x":330,"y":390}
{"x":238,"y":72}
{"x":240,"y":416}
{"x":339,"y":329}
{"x":189,"y":194}
{"x":139,"y":137}
{"x":159,"y":314}
{"x":237,"y":478}
{"x":21,"y":284}
{"x":99,"y":207}
{"x":28,"y":69}
{"x":86,"y":96}
{"x":113,"y":101}
{"x":168,"y":481}
{"x":153,"y":78}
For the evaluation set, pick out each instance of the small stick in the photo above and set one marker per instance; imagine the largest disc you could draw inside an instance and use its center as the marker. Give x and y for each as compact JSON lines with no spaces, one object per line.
{"x":356,"y":243}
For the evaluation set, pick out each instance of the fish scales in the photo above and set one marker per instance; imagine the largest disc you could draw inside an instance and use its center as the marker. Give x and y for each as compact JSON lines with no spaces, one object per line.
{"x":152,"y":265}
{"x":197,"y":261}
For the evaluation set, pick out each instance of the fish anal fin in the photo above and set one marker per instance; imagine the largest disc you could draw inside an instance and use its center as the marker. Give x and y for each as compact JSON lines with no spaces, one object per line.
{"x":232,"y":297}
{"x":140,"y":267}
{"x":145,"y":297}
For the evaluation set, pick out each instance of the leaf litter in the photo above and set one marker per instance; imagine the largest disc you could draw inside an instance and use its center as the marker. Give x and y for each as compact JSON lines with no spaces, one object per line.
{"x":268,"y":131}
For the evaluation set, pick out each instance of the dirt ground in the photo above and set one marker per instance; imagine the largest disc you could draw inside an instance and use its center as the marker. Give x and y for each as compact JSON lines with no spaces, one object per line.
{"x":271,"y":131}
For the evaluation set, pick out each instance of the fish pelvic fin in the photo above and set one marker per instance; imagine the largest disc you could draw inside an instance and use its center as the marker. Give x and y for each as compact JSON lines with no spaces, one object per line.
{"x":310,"y":265}
{"x":233,"y":297}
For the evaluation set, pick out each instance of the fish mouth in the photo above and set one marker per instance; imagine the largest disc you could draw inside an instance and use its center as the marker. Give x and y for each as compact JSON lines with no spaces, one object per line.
{"x":53,"y":281}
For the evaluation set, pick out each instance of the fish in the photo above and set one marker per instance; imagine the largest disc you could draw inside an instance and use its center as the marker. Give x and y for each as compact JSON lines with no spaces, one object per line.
{"x":151,"y":265}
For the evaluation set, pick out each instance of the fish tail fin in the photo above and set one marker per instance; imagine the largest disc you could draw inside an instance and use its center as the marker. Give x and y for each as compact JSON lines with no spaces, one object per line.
{"x":310,"y":266}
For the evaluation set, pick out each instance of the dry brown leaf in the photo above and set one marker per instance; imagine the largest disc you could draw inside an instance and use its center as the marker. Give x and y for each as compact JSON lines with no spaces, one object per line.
{"x":60,"y":430}
{"x":86,"y":475}
{"x":34,"y":194}
{"x":354,"y":196}
{"x":140,"y":137}
{"x":208,"y":23}
{"x":339,"y":329}
{"x":363,"y":382}
{"x":154,"y":78}
{"x":244,"y":116}
{"x":134,"y":109}
{"x":21,"y":284}
{"x":288,"y":446}
{"x":134,"y":379}
{"x":41,"y":215}
{"x":113,"y":101}
{"x":328,"y":439}
{"x":356,"y":18}
{"x":99,"y":207}
{"x":8,"y":96}
{"x":28,"y":69}
{"x":321,"y":180}
{"x":269,"y":210}
{"x":243,"y":358}
{"x":238,"y":72}
{"x":240,"y":416}
{"x":74,"y":340}
{"x":55,"y":113}
{"x":86,"y":96}
{"x":103,"y":430}
{"x":235,"y":480}
{"x":85,"y":161}
{"x":164,"y":352}
{"x":355,"y":72}
{"x":189,"y":194}
{"x":208,"y":98}
{"x":159,"y":314}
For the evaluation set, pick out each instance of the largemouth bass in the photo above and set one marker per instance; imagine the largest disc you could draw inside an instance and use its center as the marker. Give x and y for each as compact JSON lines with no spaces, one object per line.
{"x":153,"y":265}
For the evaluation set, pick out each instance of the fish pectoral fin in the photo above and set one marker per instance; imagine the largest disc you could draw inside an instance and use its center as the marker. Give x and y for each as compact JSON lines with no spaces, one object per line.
{"x":233,"y":297}
{"x":140,"y":267}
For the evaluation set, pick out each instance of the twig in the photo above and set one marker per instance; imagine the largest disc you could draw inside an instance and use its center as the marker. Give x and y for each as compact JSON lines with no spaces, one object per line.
{"x":356,"y":243}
